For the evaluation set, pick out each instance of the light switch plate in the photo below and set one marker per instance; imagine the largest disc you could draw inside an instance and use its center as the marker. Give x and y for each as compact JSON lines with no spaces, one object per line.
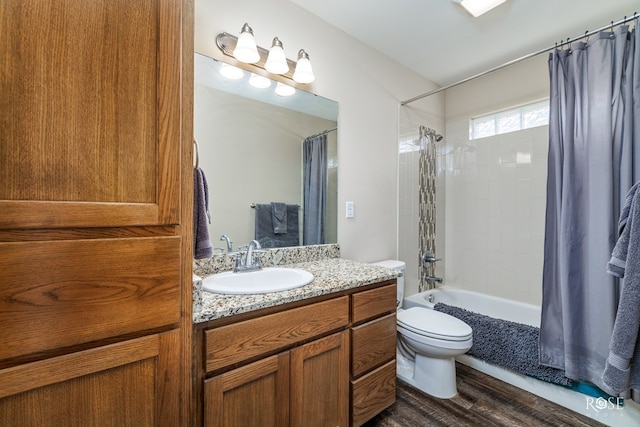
{"x":350,"y":210}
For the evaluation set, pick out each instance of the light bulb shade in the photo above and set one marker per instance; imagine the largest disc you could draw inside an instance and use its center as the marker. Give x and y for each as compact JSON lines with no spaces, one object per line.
{"x":246,"y":50}
{"x":303,"y":72}
{"x":231,"y":72}
{"x":277,"y":60}
{"x":258,"y":81}
{"x":285,"y":90}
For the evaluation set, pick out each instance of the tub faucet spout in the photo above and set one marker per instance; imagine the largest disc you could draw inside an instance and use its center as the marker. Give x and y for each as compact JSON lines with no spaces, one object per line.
{"x":432,"y":279}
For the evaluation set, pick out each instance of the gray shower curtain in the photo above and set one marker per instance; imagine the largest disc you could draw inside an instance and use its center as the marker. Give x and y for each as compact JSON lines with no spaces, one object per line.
{"x":593,"y":161}
{"x":315,"y":189}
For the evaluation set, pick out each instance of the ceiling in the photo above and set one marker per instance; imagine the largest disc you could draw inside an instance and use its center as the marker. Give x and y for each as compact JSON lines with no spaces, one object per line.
{"x":442,"y":42}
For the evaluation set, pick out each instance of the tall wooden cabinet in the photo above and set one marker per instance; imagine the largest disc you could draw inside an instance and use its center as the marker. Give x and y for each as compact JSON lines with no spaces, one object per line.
{"x":95,"y":200}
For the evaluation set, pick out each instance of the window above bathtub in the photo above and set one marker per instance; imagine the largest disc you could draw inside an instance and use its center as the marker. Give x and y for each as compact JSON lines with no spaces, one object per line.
{"x":510,"y":120}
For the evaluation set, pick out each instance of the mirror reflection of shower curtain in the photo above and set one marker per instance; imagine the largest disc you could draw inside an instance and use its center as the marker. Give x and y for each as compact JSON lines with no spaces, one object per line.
{"x":593,"y":162}
{"x":315,"y":189}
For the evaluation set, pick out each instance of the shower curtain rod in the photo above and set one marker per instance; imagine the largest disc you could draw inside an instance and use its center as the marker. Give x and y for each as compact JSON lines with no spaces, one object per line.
{"x":522,"y":58}
{"x":322,"y":133}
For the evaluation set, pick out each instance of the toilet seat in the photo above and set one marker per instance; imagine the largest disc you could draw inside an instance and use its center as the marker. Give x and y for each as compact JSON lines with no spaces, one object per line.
{"x":434,"y":324}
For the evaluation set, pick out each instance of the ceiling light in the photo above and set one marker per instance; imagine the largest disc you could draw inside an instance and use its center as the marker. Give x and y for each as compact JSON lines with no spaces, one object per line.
{"x":231,"y":72}
{"x":277,"y":60}
{"x":285,"y":90}
{"x":478,"y":7}
{"x":303,"y":73}
{"x":258,"y":81}
{"x":246,"y":49}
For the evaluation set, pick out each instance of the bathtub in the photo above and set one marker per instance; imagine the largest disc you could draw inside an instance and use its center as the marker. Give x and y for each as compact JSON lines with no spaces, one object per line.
{"x":596,"y":408}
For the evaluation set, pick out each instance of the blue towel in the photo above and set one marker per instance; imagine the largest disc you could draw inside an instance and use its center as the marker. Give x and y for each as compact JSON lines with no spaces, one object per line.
{"x":202,"y":247}
{"x":622,"y":370}
{"x":279,"y":217}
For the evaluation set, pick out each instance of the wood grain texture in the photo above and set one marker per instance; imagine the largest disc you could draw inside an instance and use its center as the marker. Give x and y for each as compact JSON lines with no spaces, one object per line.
{"x":373,"y":393}
{"x":481,"y":401}
{"x":74,"y":88}
{"x":111,"y":386}
{"x":373,"y":344}
{"x":368,"y":304}
{"x":188,"y":403}
{"x":90,"y":113}
{"x":67,"y":367}
{"x":253,"y":395}
{"x":320,"y":382}
{"x":241,"y":341}
{"x":62,"y":293}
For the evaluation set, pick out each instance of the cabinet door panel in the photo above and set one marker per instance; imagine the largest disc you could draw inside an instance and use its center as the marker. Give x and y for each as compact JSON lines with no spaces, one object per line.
{"x":113,"y":385}
{"x":254,"y":395}
{"x":373,"y":392}
{"x":63,"y":293}
{"x":320,"y":382}
{"x":368,"y":304}
{"x":89,"y":113}
{"x":251,"y":338}
{"x":373,"y":344}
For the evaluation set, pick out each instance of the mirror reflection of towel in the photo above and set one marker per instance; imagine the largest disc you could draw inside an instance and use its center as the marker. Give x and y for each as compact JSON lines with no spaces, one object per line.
{"x":264,"y":227}
{"x":279,"y":217}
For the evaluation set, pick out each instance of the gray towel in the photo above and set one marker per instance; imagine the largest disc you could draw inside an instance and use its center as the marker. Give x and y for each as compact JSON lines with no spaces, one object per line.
{"x":619,"y":255}
{"x":279,"y":217}
{"x":202,"y":247}
{"x":622,"y":370}
{"x":264,"y":227}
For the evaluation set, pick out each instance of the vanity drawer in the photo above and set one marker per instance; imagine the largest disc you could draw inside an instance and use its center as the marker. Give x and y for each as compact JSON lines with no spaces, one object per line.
{"x":241,"y":341}
{"x":368,"y":304}
{"x":373,"y":343}
{"x":373,"y":393}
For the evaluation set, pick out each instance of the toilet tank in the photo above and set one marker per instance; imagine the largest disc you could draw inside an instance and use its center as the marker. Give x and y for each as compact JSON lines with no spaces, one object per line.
{"x":400,"y":266}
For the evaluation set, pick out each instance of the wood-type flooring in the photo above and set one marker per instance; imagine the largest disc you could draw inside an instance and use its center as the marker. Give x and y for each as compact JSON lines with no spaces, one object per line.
{"x":481,"y":401}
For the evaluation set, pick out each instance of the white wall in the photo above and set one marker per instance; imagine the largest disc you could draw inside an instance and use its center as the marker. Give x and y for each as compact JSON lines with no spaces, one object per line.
{"x":368,"y":87}
{"x":496,"y":188}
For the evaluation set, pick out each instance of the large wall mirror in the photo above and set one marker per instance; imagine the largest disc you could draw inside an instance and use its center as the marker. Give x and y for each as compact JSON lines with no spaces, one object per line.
{"x":251,"y":147}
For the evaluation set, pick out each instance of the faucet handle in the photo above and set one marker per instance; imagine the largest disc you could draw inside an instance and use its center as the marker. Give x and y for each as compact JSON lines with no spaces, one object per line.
{"x":429,"y":258}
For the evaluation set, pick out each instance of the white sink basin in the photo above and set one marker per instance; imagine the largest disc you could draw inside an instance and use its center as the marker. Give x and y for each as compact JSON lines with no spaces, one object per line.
{"x":271,"y":279}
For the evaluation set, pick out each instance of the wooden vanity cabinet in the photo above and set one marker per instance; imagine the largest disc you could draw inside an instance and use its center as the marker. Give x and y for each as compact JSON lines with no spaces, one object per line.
{"x":306,"y":383}
{"x":373,"y":352}
{"x":328,"y":363}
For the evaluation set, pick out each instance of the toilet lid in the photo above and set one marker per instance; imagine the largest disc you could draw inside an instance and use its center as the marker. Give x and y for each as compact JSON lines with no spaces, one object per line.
{"x":434,"y":324}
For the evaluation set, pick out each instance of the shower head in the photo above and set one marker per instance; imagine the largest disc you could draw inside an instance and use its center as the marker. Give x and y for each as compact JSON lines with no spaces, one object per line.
{"x":438,"y":137}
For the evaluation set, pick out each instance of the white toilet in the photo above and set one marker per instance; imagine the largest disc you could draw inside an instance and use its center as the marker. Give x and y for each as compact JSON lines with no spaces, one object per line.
{"x":428,"y":341}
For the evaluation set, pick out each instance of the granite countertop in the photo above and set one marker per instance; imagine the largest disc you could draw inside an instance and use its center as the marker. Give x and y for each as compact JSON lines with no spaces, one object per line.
{"x":330,"y":275}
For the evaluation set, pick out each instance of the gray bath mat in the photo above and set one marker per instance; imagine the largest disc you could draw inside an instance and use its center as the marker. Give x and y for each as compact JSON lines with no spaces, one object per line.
{"x":508,"y":344}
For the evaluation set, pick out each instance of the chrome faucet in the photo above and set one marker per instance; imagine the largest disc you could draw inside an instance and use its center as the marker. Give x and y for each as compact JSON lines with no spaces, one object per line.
{"x":248,"y":264}
{"x":229,"y":242}
{"x":432,"y":279}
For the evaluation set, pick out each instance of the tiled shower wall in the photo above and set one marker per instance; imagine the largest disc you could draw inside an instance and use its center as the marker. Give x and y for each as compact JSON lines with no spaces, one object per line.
{"x":495,"y":209}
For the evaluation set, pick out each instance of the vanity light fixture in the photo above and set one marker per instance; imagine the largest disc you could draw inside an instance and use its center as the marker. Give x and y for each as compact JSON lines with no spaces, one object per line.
{"x":284,"y":90}
{"x":260,"y":82}
{"x":231,"y":72}
{"x":479,"y":7}
{"x":273,"y":61}
{"x":304,"y":72}
{"x":277,"y":60}
{"x":246,"y":49}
